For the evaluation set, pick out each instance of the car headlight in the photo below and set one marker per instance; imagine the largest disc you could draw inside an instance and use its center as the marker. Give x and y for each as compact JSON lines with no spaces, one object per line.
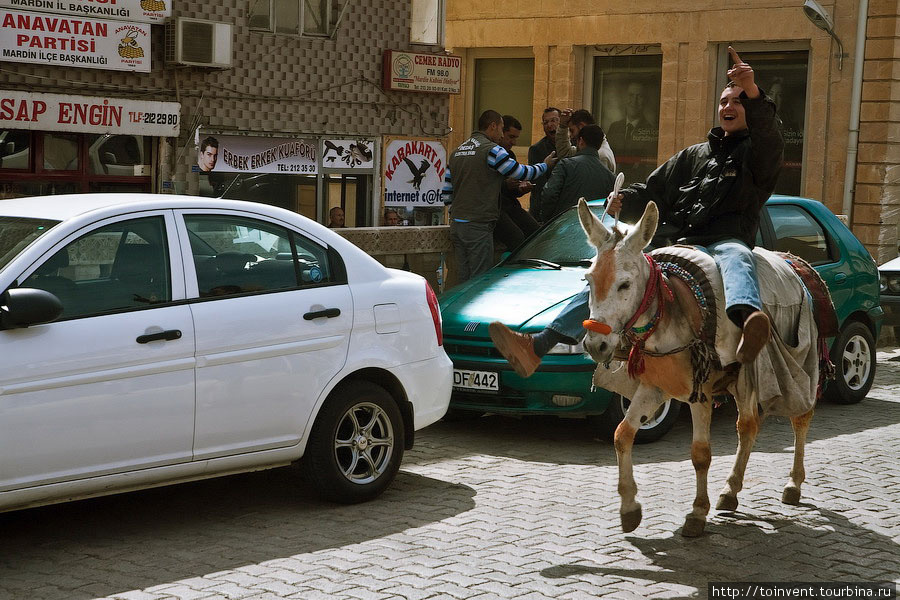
{"x":567,"y":349}
{"x":882,"y":283}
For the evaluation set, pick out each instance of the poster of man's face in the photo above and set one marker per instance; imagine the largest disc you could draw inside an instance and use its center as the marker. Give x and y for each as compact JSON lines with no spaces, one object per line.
{"x":627,"y":107}
{"x":208,"y":154}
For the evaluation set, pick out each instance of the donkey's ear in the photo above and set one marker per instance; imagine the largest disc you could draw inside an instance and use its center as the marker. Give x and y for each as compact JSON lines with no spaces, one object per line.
{"x":644,"y":230}
{"x":597,"y":233}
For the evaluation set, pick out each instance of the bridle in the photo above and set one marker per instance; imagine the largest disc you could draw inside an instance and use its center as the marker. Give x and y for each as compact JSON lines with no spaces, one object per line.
{"x":657,"y":289}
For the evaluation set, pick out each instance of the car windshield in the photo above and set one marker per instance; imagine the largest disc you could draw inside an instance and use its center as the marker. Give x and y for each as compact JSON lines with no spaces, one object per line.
{"x":17,"y":232}
{"x":561,"y":242}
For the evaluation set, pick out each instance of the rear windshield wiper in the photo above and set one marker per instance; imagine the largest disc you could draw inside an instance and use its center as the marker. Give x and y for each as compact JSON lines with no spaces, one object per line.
{"x":537,"y":262}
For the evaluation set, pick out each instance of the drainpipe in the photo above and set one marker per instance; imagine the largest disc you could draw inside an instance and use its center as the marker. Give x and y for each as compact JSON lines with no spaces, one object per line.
{"x":855,"y":101}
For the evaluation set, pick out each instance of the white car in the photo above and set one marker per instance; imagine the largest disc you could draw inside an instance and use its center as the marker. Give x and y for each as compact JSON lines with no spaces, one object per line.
{"x":155,"y":339}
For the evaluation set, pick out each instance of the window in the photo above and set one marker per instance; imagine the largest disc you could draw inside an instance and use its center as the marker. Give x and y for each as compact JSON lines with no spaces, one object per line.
{"x":296,"y":17}
{"x":426,"y":19}
{"x":235,"y":255}
{"x":783,"y":75}
{"x":507,"y":86}
{"x":37,"y":163}
{"x":625,"y":102}
{"x":121,"y":266}
{"x":797,"y":232}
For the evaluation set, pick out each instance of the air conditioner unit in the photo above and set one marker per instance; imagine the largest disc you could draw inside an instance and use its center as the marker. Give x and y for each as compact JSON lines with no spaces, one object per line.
{"x":198,"y":43}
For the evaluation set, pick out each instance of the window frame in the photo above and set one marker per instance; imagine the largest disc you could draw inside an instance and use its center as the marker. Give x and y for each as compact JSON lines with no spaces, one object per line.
{"x":441,"y":24}
{"x":767,"y":225}
{"x":471,"y":119}
{"x":337,"y":270}
{"x":723,"y":63}
{"x":272,"y":27}
{"x":175,"y":284}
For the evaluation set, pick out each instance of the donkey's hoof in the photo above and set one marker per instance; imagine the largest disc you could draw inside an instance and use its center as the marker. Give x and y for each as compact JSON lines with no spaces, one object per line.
{"x":631,"y":519}
{"x":791,"y":495}
{"x":693,"y":526}
{"x":727,"y":502}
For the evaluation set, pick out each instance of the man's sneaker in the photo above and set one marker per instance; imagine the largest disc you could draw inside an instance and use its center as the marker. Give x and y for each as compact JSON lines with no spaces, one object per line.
{"x":755,"y":336}
{"x":516,"y":348}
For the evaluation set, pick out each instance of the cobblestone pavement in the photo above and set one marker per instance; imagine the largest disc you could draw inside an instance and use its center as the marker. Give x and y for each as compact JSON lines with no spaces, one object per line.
{"x":493,"y":508}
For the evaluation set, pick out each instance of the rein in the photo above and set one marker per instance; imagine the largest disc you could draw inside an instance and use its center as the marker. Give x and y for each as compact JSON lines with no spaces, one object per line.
{"x":657,"y":289}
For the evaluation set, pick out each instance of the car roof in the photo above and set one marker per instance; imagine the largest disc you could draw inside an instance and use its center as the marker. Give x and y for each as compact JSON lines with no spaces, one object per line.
{"x":67,"y":206}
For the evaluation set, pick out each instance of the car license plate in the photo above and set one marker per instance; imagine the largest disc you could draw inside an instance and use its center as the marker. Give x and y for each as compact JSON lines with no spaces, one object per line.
{"x":488,"y":381}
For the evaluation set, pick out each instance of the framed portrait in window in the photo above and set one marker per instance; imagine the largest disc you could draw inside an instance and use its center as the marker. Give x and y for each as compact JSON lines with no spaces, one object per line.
{"x":625,"y":87}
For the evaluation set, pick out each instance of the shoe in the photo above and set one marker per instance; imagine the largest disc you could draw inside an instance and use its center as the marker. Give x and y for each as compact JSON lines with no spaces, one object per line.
{"x":755,"y":336}
{"x":516,"y":348}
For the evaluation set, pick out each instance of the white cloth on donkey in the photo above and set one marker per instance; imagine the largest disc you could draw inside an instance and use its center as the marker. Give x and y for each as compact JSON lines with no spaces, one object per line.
{"x":785,"y":375}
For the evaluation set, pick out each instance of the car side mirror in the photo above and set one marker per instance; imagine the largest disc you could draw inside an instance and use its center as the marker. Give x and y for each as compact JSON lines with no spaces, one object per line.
{"x":505,"y":255}
{"x":21,"y":307}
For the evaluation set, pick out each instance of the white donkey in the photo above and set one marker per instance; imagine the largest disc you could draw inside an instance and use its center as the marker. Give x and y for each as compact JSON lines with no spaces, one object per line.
{"x":632,"y":308}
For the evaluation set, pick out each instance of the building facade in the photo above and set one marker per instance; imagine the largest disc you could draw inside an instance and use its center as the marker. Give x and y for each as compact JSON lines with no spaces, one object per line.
{"x":265,"y":100}
{"x":651,"y":73}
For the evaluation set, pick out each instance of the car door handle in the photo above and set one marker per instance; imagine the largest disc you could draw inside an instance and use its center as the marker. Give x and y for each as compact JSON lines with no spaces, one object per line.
{"x":328,"y":312}
{"x":169,"y":334}
{"x":840,"y":278}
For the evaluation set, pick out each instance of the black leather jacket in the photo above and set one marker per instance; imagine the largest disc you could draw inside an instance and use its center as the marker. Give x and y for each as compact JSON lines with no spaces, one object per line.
{"x":715,"y":190}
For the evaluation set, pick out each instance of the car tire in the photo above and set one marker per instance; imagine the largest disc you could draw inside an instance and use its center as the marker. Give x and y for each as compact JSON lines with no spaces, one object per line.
{"x":853,"y":355}
{"x":656,"y":427}
{"x":356,"y":444}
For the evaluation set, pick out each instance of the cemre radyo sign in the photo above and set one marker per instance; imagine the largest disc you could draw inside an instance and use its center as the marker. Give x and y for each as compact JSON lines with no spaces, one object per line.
{"x":418,"y":72}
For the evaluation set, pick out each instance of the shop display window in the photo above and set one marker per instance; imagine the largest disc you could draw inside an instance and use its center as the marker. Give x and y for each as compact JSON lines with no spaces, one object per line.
{"x":625,"y":102}
{"x":783,"y":75}
{"x":37,"y":163}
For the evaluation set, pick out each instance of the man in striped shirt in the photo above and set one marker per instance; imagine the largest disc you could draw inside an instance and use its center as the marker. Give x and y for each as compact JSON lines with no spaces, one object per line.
{"x":479,"y":166}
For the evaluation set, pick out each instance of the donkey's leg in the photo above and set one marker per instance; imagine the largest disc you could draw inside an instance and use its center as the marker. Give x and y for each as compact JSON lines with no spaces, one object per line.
{"x":695,"y":523}
{"x":747,"y":429}
{"x":645,"y":402}
{"x":800,"y":423}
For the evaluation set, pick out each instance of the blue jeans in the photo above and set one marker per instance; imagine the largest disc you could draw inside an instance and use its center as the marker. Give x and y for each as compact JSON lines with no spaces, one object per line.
{"x":735,"y":261}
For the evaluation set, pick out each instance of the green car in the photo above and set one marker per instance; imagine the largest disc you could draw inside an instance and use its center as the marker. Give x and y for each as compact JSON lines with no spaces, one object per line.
{"x":532,"y":284}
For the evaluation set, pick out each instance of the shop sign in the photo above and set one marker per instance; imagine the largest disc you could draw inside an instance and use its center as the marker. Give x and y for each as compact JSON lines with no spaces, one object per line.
{"x":418,"y":72}
{"x":142,"y":11}
{"x":348,"y":154}
{"x":414,"y":172}
{"x":254,"y":154}
{"x":88,"y":114}
{"x":74,"y":41}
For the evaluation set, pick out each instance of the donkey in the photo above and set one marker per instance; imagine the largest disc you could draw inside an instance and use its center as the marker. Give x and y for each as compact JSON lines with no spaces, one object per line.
{"x":632,"y":307}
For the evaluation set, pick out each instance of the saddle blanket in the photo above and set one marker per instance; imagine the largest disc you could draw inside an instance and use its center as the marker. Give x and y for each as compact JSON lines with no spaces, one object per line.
{"x":785,"y":375}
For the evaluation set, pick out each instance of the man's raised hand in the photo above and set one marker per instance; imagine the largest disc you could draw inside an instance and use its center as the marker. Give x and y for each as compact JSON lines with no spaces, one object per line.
{"x":742,"y":74}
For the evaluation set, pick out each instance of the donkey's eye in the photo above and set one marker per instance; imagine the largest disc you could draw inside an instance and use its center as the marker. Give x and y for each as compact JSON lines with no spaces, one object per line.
{"x":624,"y":286}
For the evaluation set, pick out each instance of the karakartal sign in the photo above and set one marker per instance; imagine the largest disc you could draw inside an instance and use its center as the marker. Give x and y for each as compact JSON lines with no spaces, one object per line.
{"x":255,"y":154}
{"x":418,"y":72}
{"x":143,"y":11}
{"x":414,"y":172}
{"x":74,"y":41}
{"x":88,"y":114}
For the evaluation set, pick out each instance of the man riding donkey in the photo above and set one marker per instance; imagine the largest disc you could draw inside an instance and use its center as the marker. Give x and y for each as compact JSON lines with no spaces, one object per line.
{"x":709,"y":195}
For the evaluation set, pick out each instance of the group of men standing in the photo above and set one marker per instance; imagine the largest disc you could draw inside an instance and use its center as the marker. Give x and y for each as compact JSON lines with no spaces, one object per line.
{"x":573,"y":160}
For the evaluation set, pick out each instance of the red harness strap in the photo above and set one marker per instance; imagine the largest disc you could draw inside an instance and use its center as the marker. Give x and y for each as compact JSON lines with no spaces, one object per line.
{"x":636,"y":336}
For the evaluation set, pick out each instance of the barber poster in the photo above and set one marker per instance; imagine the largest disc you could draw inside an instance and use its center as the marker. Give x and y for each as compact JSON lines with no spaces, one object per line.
{"x":414,"y":172}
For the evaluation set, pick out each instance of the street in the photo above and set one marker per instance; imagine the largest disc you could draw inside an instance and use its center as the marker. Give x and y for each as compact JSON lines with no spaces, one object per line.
{"x":492,"y":508}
